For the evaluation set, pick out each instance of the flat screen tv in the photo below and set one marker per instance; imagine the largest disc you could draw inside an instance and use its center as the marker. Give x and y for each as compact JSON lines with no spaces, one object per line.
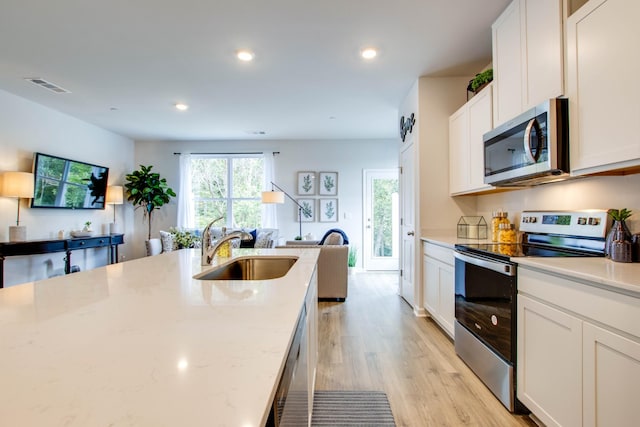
{"x":68,"y":184}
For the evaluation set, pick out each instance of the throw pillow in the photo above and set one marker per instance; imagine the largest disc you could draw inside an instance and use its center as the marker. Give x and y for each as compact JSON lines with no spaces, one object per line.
{"x":166,"y":239}
{"x":250,"y":243}
{"x":334,"y":239}
{"x":263,"y":240}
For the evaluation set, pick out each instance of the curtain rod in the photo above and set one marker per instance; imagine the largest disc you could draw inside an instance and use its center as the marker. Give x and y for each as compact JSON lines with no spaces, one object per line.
{"x":200,"y":154}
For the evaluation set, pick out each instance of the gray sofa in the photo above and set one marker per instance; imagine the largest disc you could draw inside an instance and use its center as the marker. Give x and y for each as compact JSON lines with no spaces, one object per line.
{"x":333,"y":271}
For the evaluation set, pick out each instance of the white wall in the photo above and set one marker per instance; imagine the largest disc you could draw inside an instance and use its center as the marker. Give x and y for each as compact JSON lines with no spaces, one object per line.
{"x":347,"y":157}
{"x":25,"y":128}
{"x":598,"y":192}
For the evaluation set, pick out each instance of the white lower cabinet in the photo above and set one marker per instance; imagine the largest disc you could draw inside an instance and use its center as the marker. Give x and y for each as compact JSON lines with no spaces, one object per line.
{"x":549,"y":372}
{"x":439,"y":286}
{"x":611,"y":378}
{"x":578,"y":361}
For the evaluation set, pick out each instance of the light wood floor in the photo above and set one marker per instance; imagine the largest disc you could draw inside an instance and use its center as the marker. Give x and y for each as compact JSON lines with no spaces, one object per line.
{"x":373,"y":341}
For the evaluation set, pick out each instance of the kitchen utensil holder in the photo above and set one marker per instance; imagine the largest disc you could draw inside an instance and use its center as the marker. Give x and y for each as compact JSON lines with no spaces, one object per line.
{"x":472,"y":227}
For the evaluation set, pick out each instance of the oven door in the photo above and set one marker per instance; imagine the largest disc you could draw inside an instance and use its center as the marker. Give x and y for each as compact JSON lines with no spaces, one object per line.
{"x":485,"y":301}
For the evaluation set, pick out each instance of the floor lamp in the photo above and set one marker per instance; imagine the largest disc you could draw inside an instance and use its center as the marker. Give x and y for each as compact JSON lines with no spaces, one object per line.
{"x":114,"y":197}
{"x":278,"y":197}
{"x":17,"y":185}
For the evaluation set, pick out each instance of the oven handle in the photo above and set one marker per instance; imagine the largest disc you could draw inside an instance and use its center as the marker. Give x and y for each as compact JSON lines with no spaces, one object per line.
{"x":499,"y":267}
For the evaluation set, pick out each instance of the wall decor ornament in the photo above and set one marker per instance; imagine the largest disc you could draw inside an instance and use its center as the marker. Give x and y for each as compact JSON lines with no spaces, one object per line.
{"x":306,"y":183}
{"x":328,"y":210}
{"x":406,"y":125}
{"x":328,"y":183}
{"x":307,"y":211}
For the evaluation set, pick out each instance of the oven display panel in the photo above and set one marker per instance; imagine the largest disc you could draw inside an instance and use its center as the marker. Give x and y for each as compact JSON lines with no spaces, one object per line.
{"x":556,"y":219}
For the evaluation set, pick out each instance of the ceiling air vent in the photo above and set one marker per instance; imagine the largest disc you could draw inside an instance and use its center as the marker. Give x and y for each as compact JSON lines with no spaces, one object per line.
{"x":47,"y":85}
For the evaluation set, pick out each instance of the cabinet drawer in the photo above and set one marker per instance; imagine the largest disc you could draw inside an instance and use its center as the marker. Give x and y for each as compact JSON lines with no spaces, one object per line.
{"x":589,"y":301}
{"x":439,"y":252}
{"x":93,"y":242}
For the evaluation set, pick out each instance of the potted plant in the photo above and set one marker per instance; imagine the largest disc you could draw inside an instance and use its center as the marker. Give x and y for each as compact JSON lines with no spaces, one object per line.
{"x":619,"y":230}
{"x":480,"y":81}
{"x":145,"y":189}
{"x":352,"y":258}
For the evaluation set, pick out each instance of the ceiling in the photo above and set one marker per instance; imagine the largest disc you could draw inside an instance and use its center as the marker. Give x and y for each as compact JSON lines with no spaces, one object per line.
{"x":128,"y":62}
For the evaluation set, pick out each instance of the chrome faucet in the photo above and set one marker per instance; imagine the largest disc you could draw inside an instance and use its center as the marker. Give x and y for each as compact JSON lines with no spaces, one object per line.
{"x":206,"y":242}
{"x":209,"y":252}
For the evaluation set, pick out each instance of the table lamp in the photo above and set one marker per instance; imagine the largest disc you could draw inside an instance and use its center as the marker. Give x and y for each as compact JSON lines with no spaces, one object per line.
{"x":17,"y":185}
{"x":114,"y":197}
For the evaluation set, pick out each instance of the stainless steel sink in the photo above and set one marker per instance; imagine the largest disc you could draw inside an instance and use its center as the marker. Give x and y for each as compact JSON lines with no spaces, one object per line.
{"x":251,"y":268}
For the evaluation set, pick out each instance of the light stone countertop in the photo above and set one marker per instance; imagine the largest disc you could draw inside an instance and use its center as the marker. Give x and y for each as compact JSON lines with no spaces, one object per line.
{"x":142,"y":343}
{"x":597,"y":271}
{"x":449,"y":238}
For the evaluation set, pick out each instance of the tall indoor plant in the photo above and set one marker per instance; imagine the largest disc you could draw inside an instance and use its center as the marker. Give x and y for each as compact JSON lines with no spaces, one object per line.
{"x":147,"y":190}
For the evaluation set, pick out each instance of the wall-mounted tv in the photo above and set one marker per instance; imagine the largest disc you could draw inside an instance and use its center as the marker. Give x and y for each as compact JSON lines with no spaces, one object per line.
{"x":68,"y":184}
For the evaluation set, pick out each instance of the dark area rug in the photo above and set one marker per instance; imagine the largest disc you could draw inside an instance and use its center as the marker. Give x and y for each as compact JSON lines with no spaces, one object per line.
{"x":351,"y":408}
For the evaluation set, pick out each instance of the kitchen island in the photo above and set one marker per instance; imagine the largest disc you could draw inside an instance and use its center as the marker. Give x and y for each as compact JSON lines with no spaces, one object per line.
{"x":142,"y":343}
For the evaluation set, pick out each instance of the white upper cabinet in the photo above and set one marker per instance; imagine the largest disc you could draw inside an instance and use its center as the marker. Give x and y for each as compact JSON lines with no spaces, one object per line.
{"x":466,"y":149}
{"x":527,"y":56}
{"x":603,"y":66}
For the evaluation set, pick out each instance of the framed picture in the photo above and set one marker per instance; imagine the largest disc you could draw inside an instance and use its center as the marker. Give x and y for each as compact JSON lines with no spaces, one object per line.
{"x":328,"y":184}
{"x":306,"y":183}
{"x":328,"y":210}
{"x":308,"y":210}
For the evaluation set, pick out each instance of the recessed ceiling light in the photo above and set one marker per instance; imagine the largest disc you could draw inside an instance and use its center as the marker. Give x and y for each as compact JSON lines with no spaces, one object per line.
{"x":182,"y":107}
{"x":369,"y":53}
{"x":245,"y":55}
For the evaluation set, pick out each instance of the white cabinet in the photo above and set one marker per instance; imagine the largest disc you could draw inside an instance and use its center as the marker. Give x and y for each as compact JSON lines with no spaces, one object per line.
{"x":466,"y":149}
{"x":549,"y":342}
{"x":527,"y":56}
{"x":578,"y":360}
{"x":439,"y":287}
{"x":611,"y":378}
{"x":602,"y":86}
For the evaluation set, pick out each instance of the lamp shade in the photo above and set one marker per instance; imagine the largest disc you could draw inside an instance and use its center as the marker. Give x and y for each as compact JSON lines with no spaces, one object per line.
{"x":272,"y":197}
{"x":17,"y":184}
{"x":114,"y":195}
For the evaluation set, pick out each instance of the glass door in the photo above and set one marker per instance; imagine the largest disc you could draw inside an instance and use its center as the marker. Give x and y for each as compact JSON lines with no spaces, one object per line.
{"x":381,"y":220}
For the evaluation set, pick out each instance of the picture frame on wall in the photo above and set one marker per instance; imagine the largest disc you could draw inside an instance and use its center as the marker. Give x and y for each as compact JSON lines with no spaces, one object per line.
{"x":306,"y":183}
{"x":328,"y":210}
{"x":308,"y":210}
{"x":328,"y":184}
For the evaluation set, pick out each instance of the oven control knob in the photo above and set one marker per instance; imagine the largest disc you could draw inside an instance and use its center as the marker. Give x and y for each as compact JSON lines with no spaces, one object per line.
{"x":494,"y":320}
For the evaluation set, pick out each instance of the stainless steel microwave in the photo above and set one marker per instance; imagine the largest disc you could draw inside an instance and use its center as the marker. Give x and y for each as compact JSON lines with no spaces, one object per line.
{"x":530,"y":149}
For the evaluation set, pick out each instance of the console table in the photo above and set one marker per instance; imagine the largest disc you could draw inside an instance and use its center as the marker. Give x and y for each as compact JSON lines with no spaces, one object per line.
{"x":35,"y":247}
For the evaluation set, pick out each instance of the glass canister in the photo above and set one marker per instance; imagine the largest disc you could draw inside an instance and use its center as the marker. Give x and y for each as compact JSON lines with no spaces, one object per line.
{"x":498,"y":218}
{"x":507,"y":237}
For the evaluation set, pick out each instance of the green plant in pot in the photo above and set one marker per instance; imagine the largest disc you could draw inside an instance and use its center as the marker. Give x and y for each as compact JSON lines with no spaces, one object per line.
{"x":352,"y":258}
{"x":480,"y":80}
{"x":145,"y":189}
{"x":619,"y":230}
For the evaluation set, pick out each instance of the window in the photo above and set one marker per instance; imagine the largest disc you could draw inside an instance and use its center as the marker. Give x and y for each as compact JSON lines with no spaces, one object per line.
{"x":227,"y":186}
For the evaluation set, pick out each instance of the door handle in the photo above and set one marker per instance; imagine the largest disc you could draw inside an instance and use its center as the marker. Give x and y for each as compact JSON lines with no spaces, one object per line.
{"x":411,"y":233}
{"x":533,"y":125}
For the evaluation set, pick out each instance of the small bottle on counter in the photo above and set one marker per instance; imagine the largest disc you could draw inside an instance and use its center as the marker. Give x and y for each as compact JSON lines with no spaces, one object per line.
{"x":507,"y":233}
{"x":225,"y":249}
{"x":498,"y":218}
{"x":507,"y":236}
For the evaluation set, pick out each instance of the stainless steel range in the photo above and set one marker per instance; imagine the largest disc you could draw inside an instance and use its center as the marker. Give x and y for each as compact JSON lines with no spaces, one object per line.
{"x":486,"y":290}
